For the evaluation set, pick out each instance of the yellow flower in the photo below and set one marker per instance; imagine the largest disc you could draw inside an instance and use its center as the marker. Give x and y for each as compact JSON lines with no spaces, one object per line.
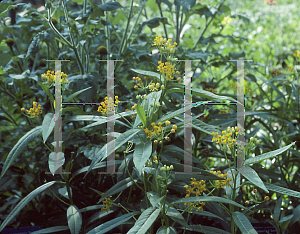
{"x":290,"y":69}
{"x":23,"y":109}
{"x":173,"y":131}
{"x":267,"y":198}
{"x":174,"y":127}
{"x":168,"y":122}
{"x":226,"y":20}
{"x":297,"y":54}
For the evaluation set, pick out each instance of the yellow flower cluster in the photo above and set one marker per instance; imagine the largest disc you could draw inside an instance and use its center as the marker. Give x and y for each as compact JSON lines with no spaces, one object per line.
{"x":159,"y":41}
{"x":166,"y":68}
{"x":50,"y":77}
{"x":34,"y":112}
{"x":290,"y":69}
{"x":108,"y":105}
{"x":199,"y":187}
{"x":155,"y":131}
{"x":226,"y":137}
{"x":221,"y":183}
{"x":226,"y":20}
{"x":297,"y":54}
{"x":106,"y":202}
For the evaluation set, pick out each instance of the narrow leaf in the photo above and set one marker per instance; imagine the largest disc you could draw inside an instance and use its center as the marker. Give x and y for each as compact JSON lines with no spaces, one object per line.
{"x":277,"y":210}
{"x":243,"y":223}
{"x":48,"y":125}
{"x":19,"y":147}
{"x":55,"y":161}
{"x":141,"y":154}
{"x":282,"y":190}
{"x":73,"y":95}
{"x":267,"y":155}
{"x":146,"y":219}
{"x":74,"y":219}
{"x":252,"y":176}
{"x":105,"y":227}
{"x":24,"y":202}
{"x":141,"y":114}
{"x":51,"y":230}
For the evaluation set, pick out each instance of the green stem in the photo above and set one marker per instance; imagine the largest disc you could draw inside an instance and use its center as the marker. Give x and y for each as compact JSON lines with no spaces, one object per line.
{"x":207,"y":25}
{"x":161,"y":15}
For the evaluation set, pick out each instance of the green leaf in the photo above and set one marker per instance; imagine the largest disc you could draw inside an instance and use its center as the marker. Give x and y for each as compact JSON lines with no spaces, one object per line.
{"x":205,"y":229}
{"x":153,"y":198}
{"x":206,"y":199}
{"x":267,"y":155}
{"x":19,"y":147}
{"x":105,"y":227}
{"x":147,"y":73}
{"x":33,"y":47}
{"x":19,"y":77}
{"x":51,"y":230}
{"x":252,"y":176}
{"x":296,"y":213}
{"x":141,"y":154}
{"x":55,"y":161}
{"x":47,"y":91}
{"x":201,"y":93}
{"x":48,"y":125}
{"x":120,"y":186}
{"x":277,"y":210}
{"x":110,"y":6}
{"x":141,"y":114}
{"x":186,"y":4}
{"x":146,"y":219}
{"x":74,"y":219}
{"x":243,"y":223}
{"x":152,"y":23}
{"x":23,"y":203}
{"x":282,"y":190}
{"x":166,"y":230}
{"x":75,"y":94}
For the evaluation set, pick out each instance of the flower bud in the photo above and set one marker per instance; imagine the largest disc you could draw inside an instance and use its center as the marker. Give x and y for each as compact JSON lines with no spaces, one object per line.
{"x":162,"y":48}
{"x":255,"y":190}
{"x":173,"y":131}
{"x":178,"y":79}
{"x":151,"y":87}
{"x":171,"y":50}
{"x":135,"y":86}
{"x":267,"y":198}
{"x":145,"y":97}
{"x":165,"y":40}
{"x":162,"y":169}
{"x":156,"y":162}
{"x":257,"y":142}
{"x":171,"y":167}
{"x":150,"y":163}
{"x":168,"y":168}
{"x":155,"y":157}
{"x":138,"y":96}
{"x":247,"y":202}
{"x":166,"y":138}
{"x":155,"y":141}
{"x":10,"y":42}
{"x":162,"y":87}
{"x":160,"y":142}
{"x":157,"y":85}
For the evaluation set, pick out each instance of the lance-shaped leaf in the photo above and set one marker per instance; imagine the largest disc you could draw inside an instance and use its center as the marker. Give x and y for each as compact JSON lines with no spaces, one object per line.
{"x":148,"y":73}
{"x":267,"y":155}
{"x":74,"y":219}
{"x":105,"y":227}
{"x":24,"y":202}
{"x":141,"y":114}
{"x":282,"y":190}
{"x":34,"y":46}
{"x":146,"y":219}
{"x":252,"y":176}
{"x":51,"y":230}
{"x":141,"y":154}
{"x":56,"y":160}
{"x":243,"y":223}
{"x":118,"y":187}
{"x":48,"y":125}
{"x":19,"y":147}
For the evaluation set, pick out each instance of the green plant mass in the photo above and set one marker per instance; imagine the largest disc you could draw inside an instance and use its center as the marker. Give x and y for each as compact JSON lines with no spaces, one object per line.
{"x":150,"y":116}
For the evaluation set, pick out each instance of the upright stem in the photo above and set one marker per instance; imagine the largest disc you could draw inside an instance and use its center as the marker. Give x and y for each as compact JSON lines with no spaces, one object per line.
{"x":161,"y":15}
